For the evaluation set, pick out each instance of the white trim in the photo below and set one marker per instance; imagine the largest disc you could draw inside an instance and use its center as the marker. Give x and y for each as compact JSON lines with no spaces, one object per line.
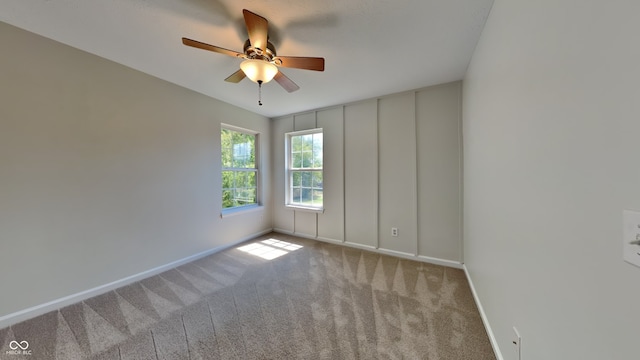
{"x":239,"y":210}
{"x":377,"y":194}
{"x":418,"y":189}
{"x":238,"y":129}
{"x":303,"y":132}
{"x":305,"y":209}
{"x":283,"y":231}
{"x":329,"y":240}
{"x":26,"y":314}
{"x":425,"y":259}
{"x":483,"y":316}
{"x":361,"y":246}
{"x":397,"y":253}
{"x":344,"y":175}
{"x":461,"y":174}
{"x":443,"y":262}
{"x":422,"y":258}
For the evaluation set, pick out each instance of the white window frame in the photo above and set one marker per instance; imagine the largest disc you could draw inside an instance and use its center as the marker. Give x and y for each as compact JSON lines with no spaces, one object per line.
{"x":290,"y":170}
{"x":255,"y":169}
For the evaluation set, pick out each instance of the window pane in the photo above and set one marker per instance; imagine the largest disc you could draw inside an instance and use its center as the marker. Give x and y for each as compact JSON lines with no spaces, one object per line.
{"x":251,"y":152}
{"x":317,"y":197}
{"x":306,"y":178}
{"x":237,"y":157}
{"x":251,"y":196}
{"x":317,"y":179}
{"x":226,"y":147}
{"x":295,"y":195}
{"x":306,"y":196}
{"x":307,"y":142}
{"x":227,"y":199}
{"x":240,"y":179}
{"x":305,"y":152}
{"x":245,"y":196}
{"x":296,"y":160}
{"x":235,"y":198}
{"x":238,"y":151}
{"x":296,"y":143}
{"x":227,"y":179}
{"x":317,"y":150}
{"x":251,"y":179}
{"x":227,"y":157}
{"x":242,"y":149}
{"x":296,"y":179}
{"x":240,"y":155}
{"x":307,"y":159}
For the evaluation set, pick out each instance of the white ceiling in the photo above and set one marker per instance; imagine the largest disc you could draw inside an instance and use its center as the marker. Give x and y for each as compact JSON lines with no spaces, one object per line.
{"x":371,"y":47}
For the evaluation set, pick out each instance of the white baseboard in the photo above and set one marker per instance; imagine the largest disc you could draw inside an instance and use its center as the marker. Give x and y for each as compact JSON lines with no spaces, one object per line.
{"x":422,"y":258}
{"x":361,"y":246}
{"x":397,"y":253}
{"x":29,"y":313}
{"x":283,"y":231}
{"x":426,"y":259}
{"x":330,"y":240}
{"x":485,"y":320}
{"x":443,"y":262}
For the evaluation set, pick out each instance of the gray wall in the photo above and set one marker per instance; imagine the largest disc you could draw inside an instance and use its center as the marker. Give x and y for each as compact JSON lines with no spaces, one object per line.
{"x":389,"y":162}
{"x":105,"y":172}
{"x":551,"y":124}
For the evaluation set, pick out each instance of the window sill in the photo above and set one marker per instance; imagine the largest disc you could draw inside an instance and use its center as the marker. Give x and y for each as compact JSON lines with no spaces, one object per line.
{"x":240,"y":210}
{"x":305,"y":209}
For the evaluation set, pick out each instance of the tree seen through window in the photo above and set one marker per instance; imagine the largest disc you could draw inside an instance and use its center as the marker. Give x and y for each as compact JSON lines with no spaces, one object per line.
{"x":305,"y":169}
{"x":239,"y":169}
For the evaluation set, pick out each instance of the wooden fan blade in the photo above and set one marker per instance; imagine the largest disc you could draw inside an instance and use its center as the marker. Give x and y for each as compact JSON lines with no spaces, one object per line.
{"x":258,"y":28}
{"x":203,"y":46}
{"x":236,"y":77}
{"x":285,"y":82}
{"x":307,"y":63}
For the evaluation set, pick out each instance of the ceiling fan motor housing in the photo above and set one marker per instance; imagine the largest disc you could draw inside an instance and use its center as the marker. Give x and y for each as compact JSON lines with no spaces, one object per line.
{"x":267,"y":54}
{"x":260,"y":59}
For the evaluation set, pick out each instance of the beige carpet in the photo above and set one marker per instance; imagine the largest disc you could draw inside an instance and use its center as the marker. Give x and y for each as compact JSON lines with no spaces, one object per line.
{"x":314,"y":301}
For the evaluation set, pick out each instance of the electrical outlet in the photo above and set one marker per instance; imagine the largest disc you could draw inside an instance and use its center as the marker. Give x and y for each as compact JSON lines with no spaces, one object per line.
{"x":517,"y":343}
{"x":394,"y":231}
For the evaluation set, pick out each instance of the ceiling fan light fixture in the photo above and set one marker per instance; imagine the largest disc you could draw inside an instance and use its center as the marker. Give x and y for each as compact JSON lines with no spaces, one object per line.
{"x":259,"y":70}
{"x":261,"y":63}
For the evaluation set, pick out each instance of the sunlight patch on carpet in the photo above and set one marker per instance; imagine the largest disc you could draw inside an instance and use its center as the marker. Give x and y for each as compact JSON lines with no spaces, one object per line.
{"x":269,"y":249}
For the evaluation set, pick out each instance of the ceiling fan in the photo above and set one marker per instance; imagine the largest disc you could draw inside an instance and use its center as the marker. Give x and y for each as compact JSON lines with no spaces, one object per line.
{"x":261,"y":61}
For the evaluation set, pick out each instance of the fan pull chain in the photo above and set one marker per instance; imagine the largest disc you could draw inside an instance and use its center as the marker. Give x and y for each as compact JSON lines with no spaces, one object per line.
{"x":260,"y":92}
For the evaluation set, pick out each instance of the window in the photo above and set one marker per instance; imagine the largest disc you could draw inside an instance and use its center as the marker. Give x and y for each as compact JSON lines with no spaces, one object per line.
{"x":304,"y":169}
{"x":239,"y":167}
